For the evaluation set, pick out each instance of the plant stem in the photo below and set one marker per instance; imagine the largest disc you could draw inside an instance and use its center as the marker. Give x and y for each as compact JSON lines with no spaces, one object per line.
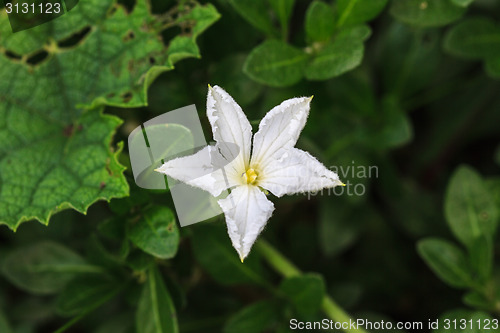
{"x":277,"y":260}
{"x":286,"y":268}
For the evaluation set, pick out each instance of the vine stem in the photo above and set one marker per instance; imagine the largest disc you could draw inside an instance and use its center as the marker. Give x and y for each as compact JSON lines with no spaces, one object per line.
{"x":286,"y":268}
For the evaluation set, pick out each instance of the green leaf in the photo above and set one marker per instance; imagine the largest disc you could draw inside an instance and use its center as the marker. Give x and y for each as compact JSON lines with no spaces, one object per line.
{"x":156,"y":312}
{"x":202,"y":17}
{"x":86,"y":293}
{"x":283,"y":9}
{"x":493,"y":186}
{"x":409,"y":59}
{"x":306,"y":292}
{"x":51,"y":170}
{"x":156,"y":233}
{"x":462,"y":3}
{"x":426,"y":13}
{"x":469,"y":207}
{"x":446,"y":260}
{"x":475,"y":38}
{"x":254,"y":318}
{"x":139,"y":261}
{"x":493,"y":67}
{"x":320,"y":23}
{"x":99,"y":254}
{"x":44,"y":268}
{"x":53,"y":154}
{"x":212,"y":248}
{"x":182,"y":46}
{"x":227,"y":73}
{"x":256,"y":12}
{"x":481,"y":257}
{"x":338,"y":229}
{"x":457,"y":317}
{"x":4,"y":324}
{"x":275,"y":63}
{"x":114,"y":75}
{"x":121,"y":323}
{"x":352,"y":12}
{"x":341,"y":55}
{"x":478,"y":301}
{"x":394,"y":127}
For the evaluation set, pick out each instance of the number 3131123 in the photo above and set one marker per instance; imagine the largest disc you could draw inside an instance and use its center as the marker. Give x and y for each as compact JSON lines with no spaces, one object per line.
{"x":31,"y":8}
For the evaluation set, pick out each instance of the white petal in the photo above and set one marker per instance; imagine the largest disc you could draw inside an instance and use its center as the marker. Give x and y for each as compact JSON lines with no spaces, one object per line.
{"x":229,"y":124}
{"x":297,"y":171}
{"x":201,"y":170}
{"x":247,"y":210}
{"x":279,"y":130}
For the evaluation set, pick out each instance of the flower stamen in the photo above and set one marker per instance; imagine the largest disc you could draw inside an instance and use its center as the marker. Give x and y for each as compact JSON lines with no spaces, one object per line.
{"x":250,"y":176}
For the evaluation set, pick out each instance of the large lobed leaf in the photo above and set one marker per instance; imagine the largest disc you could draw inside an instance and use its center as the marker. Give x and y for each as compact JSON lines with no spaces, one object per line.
{"x":54,"y":154}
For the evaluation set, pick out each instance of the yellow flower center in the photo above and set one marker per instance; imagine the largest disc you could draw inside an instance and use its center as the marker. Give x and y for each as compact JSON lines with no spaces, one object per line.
{"x":250,"y":176}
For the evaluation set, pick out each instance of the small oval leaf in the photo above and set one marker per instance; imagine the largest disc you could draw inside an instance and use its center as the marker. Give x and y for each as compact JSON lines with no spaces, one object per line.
{"x":275,"y":63}
{"x":156,"y":233}
{"x":446,"y":260}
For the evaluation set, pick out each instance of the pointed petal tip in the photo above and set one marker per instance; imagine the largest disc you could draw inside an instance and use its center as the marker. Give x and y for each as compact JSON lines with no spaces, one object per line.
{"x":341,"y":184}
{"x":241,"y":255}
{"x":160,"y":170}
{"x":215,"y":89}
{"x":311,"y":98}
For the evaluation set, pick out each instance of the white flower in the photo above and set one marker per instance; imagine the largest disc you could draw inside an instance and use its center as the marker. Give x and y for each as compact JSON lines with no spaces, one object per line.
{"x":272,"y":164}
